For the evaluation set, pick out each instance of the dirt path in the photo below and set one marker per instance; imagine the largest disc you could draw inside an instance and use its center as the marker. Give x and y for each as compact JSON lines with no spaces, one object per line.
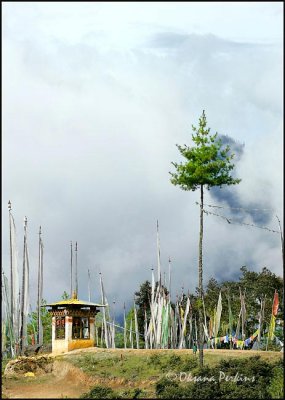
{"x":66,"y":381}
{"x":42,"y":391}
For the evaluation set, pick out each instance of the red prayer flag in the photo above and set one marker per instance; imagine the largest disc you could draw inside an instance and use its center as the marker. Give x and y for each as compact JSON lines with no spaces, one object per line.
{"x":275,"y":304}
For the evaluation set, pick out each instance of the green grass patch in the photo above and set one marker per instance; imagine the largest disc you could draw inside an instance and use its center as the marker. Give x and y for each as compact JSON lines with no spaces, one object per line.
{"x":130,"y":367}
{"x":145,"y":374}
{"x":141,"y":366}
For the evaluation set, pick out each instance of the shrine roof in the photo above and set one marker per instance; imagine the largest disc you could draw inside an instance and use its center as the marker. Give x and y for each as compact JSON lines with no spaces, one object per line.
{"x":74,"y":302}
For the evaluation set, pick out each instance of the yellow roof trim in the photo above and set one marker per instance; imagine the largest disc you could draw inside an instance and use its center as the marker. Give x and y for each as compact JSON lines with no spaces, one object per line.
{"x":74,"y":302}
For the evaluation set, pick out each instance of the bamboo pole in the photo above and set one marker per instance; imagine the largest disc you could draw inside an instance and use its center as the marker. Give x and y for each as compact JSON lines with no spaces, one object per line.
{"x":169,"y":278}
{"x":104,"y":312}
{"x":89,"y":288}
{"x":76,"y":276}
{"x":113,"y":330}
{"x":9,"y":319}
{"x":23,"y":288}
{"x":136,"y":326}
{"x":11,"y":264}
{"x":39,"y":294}
{"x":42,"y":283}
{"x":71,"y":252}
{"x":125,"y":327}
{"x":282,"y":248}
{"x":230,"y":320}
{"x":158,"y":256}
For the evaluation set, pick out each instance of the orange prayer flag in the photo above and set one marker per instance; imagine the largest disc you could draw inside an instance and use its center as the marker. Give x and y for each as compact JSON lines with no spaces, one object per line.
{"x":275,"y":304}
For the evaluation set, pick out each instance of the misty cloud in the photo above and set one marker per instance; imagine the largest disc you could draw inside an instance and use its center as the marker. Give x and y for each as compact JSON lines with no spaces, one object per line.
{"x":89,"y":133}
{"x":168,"y":40}
{"x":196,"y":44}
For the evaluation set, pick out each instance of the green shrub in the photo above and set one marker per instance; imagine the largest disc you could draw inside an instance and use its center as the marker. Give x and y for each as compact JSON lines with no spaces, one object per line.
{"x":99,"y":392}
{"x":231,"y":379}
{"x":154,"y":360}
{"x":189,"y":363}
{"x":164,"y":386}
{"x":276,"y":387}
{"x":174,"y":361}
{"x":131,"y":394}
{"x":171,"y":363}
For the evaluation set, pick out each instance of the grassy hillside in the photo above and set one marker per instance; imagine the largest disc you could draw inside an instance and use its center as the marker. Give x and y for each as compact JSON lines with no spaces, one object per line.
{"x":140,"y":372}
{"x":102,"y":373}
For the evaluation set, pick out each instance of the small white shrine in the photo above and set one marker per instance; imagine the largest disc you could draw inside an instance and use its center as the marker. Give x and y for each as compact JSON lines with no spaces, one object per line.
{"x":73,"y":324}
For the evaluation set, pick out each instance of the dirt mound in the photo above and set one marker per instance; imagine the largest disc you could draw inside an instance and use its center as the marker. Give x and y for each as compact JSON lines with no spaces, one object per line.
{"x":38,"y":365}
{"x":65,"y":371}
{"x":61,"y":380}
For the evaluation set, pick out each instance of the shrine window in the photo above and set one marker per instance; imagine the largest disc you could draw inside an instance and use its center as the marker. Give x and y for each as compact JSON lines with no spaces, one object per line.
{"x":80,"y":328}
{"x":59,"y":327}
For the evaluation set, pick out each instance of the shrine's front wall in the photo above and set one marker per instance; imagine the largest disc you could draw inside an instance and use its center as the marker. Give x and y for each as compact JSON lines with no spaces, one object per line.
{"x":59,"y":346}
{"x":92,"y":329}
{"x":80,"y":344}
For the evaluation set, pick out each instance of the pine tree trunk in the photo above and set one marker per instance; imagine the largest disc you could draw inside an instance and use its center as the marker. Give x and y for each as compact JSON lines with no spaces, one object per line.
{"x":201,"y":335}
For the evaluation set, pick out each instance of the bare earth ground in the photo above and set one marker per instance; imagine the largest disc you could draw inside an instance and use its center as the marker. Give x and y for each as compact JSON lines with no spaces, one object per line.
{"x":68,"y":381}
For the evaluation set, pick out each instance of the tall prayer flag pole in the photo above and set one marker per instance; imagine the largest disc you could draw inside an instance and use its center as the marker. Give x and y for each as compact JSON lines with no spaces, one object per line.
{"x":261,"y":317}
{"x":104,"y":312}
{"x":89,"y":288}
{"x":136,"y":326}
{"x":76,"y":276}
{"x":71,"y":293}
{"x":40,"y":289}
{"x":25,"y":289}
{"x":13,"y":301}
{"x":11,"y":263}
{"x":158,"y":256}
{"x":125,"y":327}
{"x":169,"y":277}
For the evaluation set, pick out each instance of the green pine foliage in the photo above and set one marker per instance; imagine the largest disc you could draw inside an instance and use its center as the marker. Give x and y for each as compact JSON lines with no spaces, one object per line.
{"x":208,"y":162}
{"x":142,"y":300}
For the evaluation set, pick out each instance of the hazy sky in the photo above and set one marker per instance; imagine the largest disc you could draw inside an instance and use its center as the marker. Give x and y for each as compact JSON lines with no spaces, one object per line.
{"x":95,"y":97}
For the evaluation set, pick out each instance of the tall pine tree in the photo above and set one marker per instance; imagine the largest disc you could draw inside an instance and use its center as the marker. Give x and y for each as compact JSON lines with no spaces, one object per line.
{"x":207,"y":164}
